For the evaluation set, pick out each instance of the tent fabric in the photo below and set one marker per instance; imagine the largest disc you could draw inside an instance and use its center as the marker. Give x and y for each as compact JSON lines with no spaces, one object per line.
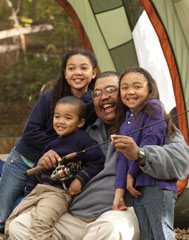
{"x":181,"y":54}
{"x":68,"y":8}
{"x":182,"y":9}
{"x":102,"y":30}
{"x":175,"y":50}
{"x":181,"y":214}
{"x":100,"y":6}
{"x":151,"y":57}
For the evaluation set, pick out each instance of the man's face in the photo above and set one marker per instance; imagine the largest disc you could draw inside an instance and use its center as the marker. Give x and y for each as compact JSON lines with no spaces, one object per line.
{"x":105,"y":104}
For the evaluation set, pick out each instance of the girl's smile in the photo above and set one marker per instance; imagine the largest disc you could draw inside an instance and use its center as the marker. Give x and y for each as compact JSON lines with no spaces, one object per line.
{"x":79,"y":73}
{"x":133,"y":89}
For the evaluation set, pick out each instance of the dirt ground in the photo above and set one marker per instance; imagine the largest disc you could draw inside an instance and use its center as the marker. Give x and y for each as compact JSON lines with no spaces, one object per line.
{"x":1,"y":236}
{"x":181,"y":234}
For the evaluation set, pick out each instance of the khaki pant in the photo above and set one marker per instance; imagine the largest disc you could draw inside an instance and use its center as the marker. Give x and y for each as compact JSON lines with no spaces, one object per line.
{"x":46,"y":205}
{"x":112,"y":225}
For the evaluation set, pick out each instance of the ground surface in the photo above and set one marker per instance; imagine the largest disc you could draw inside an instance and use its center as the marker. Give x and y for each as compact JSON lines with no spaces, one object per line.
{"x":181,"y":234}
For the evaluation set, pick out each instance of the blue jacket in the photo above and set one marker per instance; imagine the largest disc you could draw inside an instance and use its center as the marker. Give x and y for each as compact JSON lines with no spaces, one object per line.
{"x":38,"y":131}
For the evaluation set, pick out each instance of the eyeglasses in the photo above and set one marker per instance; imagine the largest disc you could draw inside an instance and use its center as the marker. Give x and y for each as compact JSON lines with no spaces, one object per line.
{"x":108,"y":91}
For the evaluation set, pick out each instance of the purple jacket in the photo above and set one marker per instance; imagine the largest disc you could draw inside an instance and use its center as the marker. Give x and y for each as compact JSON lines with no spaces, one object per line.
{"x":154,"y":135}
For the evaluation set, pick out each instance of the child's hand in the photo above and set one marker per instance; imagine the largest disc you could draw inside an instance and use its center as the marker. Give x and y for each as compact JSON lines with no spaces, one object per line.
{"x":118,"y":203}
{"x":125,"y":145}
{"x":130,"y":188}
{"x":49,"y":159}
{"x":75,"y":187}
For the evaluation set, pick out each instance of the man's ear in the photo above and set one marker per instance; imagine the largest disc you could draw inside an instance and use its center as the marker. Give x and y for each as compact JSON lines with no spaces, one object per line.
{"x":81,"y":123}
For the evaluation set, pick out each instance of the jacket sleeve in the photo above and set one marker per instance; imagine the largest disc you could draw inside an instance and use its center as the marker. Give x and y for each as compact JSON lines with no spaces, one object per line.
{"x":39,"y":124}
{"x":170,"y":161}
{"x":121,"y":172}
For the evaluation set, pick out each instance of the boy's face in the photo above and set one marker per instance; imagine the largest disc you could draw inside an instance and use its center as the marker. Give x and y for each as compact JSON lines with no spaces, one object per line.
{"x":65,"y":119}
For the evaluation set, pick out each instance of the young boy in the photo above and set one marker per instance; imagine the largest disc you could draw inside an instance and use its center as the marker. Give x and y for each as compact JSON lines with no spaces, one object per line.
{"x":49,"y":200}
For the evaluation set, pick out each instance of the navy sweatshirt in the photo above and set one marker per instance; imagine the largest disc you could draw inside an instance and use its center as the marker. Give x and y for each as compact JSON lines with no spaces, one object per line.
{"x":38,"y":131}
{"x":86,"y":164}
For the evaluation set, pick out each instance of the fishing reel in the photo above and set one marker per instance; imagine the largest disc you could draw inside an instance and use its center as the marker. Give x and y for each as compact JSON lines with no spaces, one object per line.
{"x":61,"y":173}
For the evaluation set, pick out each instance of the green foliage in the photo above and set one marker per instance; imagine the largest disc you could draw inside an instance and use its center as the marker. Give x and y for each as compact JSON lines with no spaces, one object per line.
{"x":5,"y":13}
{"x":23,"y":78}
{"x":63,"y":37}
{"x":22,"y":82}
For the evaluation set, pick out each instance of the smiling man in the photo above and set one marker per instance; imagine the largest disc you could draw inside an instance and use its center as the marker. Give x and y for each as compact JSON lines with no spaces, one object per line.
{"x":105,"y":97}
{"x":90,"y":215}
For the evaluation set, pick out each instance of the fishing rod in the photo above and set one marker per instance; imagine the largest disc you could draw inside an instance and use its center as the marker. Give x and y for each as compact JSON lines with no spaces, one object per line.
{"x":75,"y":154}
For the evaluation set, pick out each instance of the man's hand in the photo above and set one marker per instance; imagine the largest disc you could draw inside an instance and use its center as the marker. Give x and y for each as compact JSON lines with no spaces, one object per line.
{"x":75,"y":187}
{"x":49,"y":159}
{"x":130,"y":186}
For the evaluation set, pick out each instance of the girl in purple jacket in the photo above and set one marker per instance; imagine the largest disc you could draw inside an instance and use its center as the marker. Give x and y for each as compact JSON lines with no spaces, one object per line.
{"x":139,"y":106}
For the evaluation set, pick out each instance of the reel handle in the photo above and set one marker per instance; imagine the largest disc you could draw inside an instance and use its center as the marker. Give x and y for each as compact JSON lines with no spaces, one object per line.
{"x":69,"y":156}
{"x":33,"y":170}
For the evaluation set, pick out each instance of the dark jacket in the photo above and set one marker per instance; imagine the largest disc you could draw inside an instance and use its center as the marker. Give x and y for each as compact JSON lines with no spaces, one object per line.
{"x":84,"y":166}
{"x":38,"y":131}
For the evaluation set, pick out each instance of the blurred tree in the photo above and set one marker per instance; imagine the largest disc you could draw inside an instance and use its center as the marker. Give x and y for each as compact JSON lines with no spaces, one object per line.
{"x":22,"y":82}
